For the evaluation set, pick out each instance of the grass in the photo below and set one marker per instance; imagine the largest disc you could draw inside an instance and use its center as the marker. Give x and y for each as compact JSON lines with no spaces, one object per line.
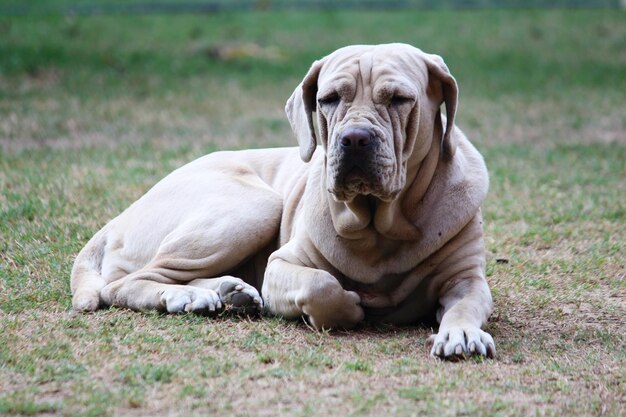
{"x":94,"y":110}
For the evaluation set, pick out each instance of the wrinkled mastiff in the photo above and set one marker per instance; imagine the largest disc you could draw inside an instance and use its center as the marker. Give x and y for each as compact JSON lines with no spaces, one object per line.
{"x":381,"y":222}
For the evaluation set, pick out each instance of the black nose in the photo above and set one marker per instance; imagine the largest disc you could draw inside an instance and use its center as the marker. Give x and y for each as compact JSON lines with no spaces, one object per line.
{"x":355,"y":138}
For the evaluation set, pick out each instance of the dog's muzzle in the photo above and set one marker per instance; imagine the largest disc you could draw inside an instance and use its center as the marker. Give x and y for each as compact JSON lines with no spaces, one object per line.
{"x":356,"y":169}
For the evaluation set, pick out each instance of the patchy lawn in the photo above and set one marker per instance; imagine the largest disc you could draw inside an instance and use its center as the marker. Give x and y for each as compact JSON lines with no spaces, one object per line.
{"x":94,"y":110}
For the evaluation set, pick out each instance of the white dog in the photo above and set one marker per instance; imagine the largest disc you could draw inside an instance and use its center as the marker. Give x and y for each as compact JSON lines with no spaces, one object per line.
{"x":382,"y":222}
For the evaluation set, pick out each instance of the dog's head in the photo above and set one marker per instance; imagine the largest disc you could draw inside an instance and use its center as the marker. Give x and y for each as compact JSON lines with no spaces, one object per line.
{"x":377,"y":108}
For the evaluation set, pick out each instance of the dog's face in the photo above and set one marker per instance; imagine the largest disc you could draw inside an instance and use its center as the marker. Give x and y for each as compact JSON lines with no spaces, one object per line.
{"x":373,"y":105}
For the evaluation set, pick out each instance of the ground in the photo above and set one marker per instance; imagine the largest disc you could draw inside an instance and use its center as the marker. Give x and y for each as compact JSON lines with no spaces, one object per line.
{"x":96,"y":109}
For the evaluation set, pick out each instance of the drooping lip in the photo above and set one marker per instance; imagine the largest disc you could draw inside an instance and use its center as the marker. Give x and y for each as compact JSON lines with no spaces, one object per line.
{"x":354,"y":175}
{"x":350,"y":182}
{"x":351,"y":175}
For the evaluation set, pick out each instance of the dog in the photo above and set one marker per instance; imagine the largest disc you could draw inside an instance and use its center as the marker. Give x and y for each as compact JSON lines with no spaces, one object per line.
{"x":374,"y":216}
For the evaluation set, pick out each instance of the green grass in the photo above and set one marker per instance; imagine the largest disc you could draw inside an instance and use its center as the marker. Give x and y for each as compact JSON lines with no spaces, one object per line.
{"x":94,"y":110}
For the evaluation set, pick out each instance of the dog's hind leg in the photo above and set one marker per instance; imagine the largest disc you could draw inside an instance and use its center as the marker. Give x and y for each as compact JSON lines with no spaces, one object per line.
{"x":234,"y":292}
{"x":187,"y":273}
{"x":87,"y":280}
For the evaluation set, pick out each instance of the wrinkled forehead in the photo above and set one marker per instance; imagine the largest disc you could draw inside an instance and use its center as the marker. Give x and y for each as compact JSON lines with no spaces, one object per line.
{"x":374,"y":64}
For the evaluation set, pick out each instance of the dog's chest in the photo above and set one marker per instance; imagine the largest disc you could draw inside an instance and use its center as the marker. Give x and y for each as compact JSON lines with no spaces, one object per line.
{"x":374,"y":286}
{"x":375,"y":264}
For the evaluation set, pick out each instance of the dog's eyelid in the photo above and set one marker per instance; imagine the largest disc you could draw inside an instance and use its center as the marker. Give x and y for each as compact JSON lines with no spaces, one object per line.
{"x":329,"y":98}
{"x":399,"y":99}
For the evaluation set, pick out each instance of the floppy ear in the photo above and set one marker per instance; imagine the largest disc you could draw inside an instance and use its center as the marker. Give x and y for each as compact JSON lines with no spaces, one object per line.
{"x":437,"y":70}
{"x":300,"y":108}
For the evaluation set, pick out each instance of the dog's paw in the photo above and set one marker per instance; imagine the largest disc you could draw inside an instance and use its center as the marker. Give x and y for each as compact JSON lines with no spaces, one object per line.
{"x":86,"y":300}
{"x":239,"y":297}
{"x":183,"y":299}
{"x":329,"y":306}
{"x":456,"y":343}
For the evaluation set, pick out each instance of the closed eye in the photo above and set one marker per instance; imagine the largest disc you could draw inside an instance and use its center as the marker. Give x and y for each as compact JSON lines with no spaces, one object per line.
{"x":329,"y":99}
{"x":399,"y":100}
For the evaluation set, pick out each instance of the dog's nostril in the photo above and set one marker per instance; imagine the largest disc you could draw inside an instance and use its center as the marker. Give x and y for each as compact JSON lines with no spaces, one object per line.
{"x":355,"y":138}
{"x":346,"y":142}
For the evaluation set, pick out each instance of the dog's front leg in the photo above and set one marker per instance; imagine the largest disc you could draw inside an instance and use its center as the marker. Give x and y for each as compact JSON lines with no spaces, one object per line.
{"x":465,"y":306}
{"x":291,"y":289}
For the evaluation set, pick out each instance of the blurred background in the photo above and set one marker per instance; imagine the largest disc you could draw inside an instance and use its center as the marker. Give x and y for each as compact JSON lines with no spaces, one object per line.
{"x":218,"y":72}
{"x":146,"y":6}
